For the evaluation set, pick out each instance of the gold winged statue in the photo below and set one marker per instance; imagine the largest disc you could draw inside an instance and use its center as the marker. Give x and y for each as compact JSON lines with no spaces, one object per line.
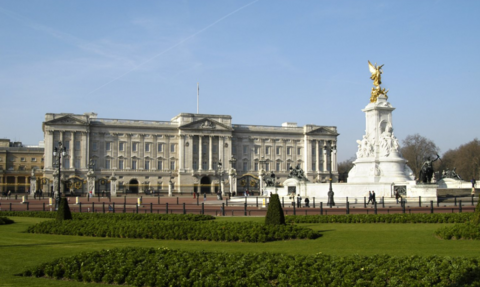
{"x":376,"y":73}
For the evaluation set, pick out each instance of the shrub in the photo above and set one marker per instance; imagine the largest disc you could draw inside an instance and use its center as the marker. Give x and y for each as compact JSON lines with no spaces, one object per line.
{"x":382,"y":218}
{"x":63,"y":212}
{"x":275,"y":212}
{"x":5,"y":220}
{"x":165,"y":267}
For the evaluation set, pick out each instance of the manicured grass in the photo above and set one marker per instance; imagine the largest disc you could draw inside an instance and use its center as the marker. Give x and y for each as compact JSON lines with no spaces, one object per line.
{"x":19,"y":250}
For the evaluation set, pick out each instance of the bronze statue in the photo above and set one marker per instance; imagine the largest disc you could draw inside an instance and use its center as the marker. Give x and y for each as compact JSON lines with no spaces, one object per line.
{"x":426,"y":172}
{"x":376,"y":73}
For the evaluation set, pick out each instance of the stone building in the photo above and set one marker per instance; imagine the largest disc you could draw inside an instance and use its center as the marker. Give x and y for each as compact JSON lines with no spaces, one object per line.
{"x":16,"y":164}
{"x":191,"y":152}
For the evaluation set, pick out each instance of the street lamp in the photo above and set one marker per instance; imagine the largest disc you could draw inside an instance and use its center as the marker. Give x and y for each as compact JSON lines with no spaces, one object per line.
{"x":58,"y":153}
{"x":327,"y":151}
{"x":262,"y":173}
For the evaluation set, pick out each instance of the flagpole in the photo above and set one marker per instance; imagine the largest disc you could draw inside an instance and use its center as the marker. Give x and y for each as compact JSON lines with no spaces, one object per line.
{"x":198,"y":92}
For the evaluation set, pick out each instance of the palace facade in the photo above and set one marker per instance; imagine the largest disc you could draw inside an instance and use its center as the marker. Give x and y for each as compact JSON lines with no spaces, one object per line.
{"x":191,"y":152}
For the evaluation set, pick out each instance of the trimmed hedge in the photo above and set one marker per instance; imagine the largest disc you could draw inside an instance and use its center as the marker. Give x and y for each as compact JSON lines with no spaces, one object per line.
{"x":382,"y":218}
{"x":113,"y":216}
{"x":5,"y":220}
{"x":275,"y":212}
{"x":63,"y":212}
{"x":467,"y":230}
{"x":186,"y":230}
{"x":165,"y":267}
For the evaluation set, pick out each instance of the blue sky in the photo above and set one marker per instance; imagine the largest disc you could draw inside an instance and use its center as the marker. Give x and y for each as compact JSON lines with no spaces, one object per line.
{"x":262,"y":62}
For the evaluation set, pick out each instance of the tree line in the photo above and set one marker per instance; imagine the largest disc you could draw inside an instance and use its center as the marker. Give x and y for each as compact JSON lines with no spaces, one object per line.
{"x":416,"y":149}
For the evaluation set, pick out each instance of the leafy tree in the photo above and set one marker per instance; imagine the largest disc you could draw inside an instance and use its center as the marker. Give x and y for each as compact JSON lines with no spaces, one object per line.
{"x":343,"y":168}
{"x":416,"y":149}
{"x":275,"y":212}
{"x":63,"y":212}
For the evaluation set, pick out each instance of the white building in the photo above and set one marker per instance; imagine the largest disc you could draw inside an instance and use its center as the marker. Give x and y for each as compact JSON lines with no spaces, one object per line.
{"x":142,"y":156}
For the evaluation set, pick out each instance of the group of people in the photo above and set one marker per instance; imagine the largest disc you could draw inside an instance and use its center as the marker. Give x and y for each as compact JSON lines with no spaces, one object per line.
{"x":299,"y":201}
{"x":371,"y":197}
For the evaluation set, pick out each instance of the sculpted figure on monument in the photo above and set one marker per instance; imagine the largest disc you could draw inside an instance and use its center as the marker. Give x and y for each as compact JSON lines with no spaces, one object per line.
{"x":297,"y":173}
{"x":365,"y":148}
{"x":426,"y":172}
{"x":376,"y":72}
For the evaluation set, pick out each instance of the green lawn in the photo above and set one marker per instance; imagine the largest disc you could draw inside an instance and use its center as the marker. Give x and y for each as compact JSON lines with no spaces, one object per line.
{"x":19,"y":250}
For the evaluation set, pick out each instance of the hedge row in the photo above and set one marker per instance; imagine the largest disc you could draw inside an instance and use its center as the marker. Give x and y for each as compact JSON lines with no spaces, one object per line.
{"x":467,"y":230}
{"x":165,"y":267}
{"x":382,"y":218}
{"x":187,"y":230}
{"x":5,"y":220}
{"x":113,"y":216}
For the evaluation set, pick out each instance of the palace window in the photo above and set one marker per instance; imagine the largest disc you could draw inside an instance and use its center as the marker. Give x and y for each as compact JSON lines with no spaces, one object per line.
{"x":267,"y":166}
{"x":134,"y":164}
{"x":204,"y":165}
{"x":34,"y":159}
{"x":94,"y":146}
{"x":76,"y":163}
{"x":77,"y":145}
{"x":234,"y":149}
{"x":172,"y":165}
{"x":268,"y":150}
{"x":257,"y":149}
{"x":278,"y":150}
{"x":256,"y":166}
{"x":245,"y":149}
{"x":22,"y":159}
{"x":147,"y":165}
{"x":160,"y":147}
{"x":120,"y":164}
{"x":299,"y":151}
{"x":121,"y":147}
{"x":195,"y":165}
{"x":66,"y":163}
{"x":288,"y":166}
{"x":245,"y":166}
{"x":172,"y":148}
{"x":215,"y":148}
{"x":108,"y":145}
{"x":107,"y":164}
{"x":135,"y":147}
{"x":289,"y":150}
{"x":160,"y":165}
{"x":278,"y":167}
{"x":66,"y":144}
{"x":147,"y":147}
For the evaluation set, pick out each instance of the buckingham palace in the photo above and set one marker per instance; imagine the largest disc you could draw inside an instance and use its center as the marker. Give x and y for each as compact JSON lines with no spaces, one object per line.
{"x":190,"y":153}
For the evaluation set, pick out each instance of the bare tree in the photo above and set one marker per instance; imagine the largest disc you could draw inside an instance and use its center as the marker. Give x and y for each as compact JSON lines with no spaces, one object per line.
{"x":465,"y":158}
{"x":343,"y":168}
{"x":416,"y":149}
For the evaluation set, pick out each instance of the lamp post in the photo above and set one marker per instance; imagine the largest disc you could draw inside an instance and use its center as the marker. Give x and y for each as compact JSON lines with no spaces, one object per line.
{"x":58,"y":153}
{"x":274,"y":179}
{"x":327,"y":151}
{"x":170,"y":184}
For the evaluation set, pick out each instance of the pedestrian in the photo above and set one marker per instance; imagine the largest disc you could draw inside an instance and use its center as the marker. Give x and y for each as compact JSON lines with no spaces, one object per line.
{"x":397,"y":195}
{"x":194,"y":194}
{"x":9,"y":193}
{"x":299,"y":201}
{"x":373,"y":197}
{"x":110,"y":209}
{"x":204,"y":197}
{"x":369,"y":197}
{"x":307,"y":202}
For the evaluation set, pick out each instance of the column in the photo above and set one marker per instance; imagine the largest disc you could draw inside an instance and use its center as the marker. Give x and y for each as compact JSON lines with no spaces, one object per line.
{"x":84,"y":149}
{"x":114,"y":148}
{"x":325,"y":157}
{"x":200,"y":153}
{"x":284,"y":155}
{"x":154,"y":152}
{"x":221,"y":147}
{"x":71,"y":153}
{"x":16,"y":184}
{"x":128,"y":152}
{"x":306,"y":153}
{"x":167,"y":151}
{"x":49,"y":149}
{"x":334,"y":156}
{"x":210,"y":140}
{"x":317,"y":156}
{"x":141,"y":152}
{"x":181,"y":154}
{"x":228,"y":154}
{"x":189,"y":153}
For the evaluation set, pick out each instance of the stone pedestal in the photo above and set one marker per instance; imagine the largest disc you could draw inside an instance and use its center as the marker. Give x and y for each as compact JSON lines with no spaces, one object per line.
{"x":91,"y":182}
{"x":33,"y":185}
{"x":170,"y":189}
{"x":113,"y":186}
{"x":378,"y":156}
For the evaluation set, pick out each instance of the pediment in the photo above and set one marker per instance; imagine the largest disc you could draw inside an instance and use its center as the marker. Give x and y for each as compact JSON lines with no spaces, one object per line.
{"x":206,"y":124}
{"x":66,"y":120}
{"x":323,"y":131}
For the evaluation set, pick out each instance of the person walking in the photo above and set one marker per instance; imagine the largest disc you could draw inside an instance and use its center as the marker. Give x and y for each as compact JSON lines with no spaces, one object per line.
{"x":397,"y":195}
{"x":369,"y":197}
{"x":204,"y":197}
{"x":373,"y":197}
{"x":299,"y":201}
{"x":307,"y":202}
